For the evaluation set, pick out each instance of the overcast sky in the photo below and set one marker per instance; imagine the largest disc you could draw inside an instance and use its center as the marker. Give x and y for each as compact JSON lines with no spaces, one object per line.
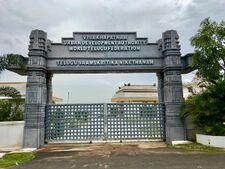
{"x":59,"y":18}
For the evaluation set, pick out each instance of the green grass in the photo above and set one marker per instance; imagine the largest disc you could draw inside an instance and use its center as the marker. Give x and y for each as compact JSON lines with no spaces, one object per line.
{"x":199,"y":147}
{"x":15,"y":159}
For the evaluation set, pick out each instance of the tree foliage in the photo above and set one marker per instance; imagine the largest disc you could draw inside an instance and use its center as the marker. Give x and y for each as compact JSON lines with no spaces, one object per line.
{"x":207,"y":108}
{"x":209,"y":57}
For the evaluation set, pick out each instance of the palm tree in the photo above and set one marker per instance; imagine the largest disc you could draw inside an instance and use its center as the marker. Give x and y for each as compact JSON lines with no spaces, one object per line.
{"x":9,"y":60}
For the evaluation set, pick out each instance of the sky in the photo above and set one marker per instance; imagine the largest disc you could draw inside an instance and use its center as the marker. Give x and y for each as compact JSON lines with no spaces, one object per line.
{"x":59,"y":18}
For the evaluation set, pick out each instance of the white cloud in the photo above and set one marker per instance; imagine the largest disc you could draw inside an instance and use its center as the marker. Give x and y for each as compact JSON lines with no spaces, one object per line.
{"x":149,"y":18}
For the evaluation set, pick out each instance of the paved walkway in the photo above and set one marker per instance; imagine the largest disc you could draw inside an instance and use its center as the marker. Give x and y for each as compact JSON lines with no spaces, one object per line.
{"x":122,"y":156}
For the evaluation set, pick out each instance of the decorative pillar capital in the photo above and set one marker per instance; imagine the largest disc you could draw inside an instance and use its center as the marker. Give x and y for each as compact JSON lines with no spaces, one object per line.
{"x":171,"y":50}
{"x":38,"y":40}
{"x":37,"y":50}
{"x":170,"y":40}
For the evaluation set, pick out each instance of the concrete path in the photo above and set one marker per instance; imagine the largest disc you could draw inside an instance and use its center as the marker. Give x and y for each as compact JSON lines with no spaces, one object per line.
{"x":122,"y":156}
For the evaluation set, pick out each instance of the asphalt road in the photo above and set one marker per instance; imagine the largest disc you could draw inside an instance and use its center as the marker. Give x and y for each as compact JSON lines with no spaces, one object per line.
{"x":122,"y":157}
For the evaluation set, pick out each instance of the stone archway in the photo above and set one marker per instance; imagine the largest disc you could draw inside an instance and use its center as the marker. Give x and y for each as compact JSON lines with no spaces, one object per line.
{"x":103,"y":52}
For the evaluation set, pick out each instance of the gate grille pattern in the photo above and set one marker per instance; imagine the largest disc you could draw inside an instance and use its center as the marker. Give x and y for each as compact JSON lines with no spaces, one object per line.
{"x":127,"y":121}
{"x":104,"y":121}
{"x":75,"y":122}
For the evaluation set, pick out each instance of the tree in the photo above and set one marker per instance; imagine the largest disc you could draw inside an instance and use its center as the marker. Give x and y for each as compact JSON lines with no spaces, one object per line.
{"x":209,"y":57}
{"x":207,"y":108}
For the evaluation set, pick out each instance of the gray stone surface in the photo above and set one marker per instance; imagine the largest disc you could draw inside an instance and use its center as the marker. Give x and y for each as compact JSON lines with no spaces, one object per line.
{"x":160,"y":87}
{"x":47,"y":58}
{"x":173,"y":90}
{"x":36,"y":92}
{"x":49,"y":88}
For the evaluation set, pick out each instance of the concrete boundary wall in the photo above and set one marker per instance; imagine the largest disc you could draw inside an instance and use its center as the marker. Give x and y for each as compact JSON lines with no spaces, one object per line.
{"x":215,"y":141}
{"x":11,"y":135}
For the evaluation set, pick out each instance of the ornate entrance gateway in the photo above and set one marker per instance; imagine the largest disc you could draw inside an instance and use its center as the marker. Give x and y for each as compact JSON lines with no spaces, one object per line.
{"x":103,"y":52}
{"x":104,"y":122}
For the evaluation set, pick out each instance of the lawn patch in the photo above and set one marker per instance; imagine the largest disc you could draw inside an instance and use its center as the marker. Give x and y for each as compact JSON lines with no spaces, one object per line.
{"x":15,"y":159}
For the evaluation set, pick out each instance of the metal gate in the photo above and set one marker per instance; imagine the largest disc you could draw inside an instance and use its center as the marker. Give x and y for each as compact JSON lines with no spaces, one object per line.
{"x":87,"y":122}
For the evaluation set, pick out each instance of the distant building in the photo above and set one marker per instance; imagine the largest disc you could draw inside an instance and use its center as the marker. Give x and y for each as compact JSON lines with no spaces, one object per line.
{"x":195,"y":86}
{"x":21,"y":87}
{"x":136,"y":93}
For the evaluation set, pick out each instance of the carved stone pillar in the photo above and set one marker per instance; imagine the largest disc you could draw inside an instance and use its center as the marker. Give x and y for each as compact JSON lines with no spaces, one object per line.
{"x":49,"y":88}
{"x":36,"y":95}
{"x":173,"y":91}
{"x":160,"y":87}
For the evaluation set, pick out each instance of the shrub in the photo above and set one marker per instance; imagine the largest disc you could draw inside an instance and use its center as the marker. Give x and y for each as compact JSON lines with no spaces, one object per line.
{"x":207,"y":109}
{"x":5,"y":109}
{"x":11,"y":109}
